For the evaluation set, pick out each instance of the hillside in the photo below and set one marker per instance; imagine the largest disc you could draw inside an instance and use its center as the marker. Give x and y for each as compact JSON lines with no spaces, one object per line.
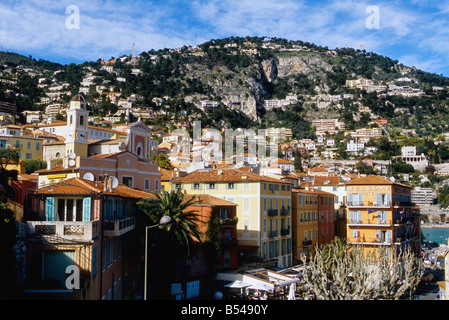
{"x":252,"y":82}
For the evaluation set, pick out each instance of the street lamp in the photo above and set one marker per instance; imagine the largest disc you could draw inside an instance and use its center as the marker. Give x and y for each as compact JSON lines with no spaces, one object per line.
{"x":164,"y":220}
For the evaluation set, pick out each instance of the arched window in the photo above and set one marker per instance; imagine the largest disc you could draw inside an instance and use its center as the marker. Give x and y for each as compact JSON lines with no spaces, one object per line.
{"x":139,"y":151}
{"x":71,"y":119}
{"x":81,"y":121}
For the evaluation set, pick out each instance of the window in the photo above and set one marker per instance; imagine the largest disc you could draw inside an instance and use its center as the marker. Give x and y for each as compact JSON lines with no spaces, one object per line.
{"x":246,"y":186}
{"x":147,"y":184}
{"x":29,"y":145}
{"x":127,"y":181}
{"x":246,"y":205}
{"x":110,"y":251}
{"x":94,"y":260}
{"x":196,"y":186}
{"x":212,"y":186}
{"x":231,"y":186}
{"x":37,"y":146}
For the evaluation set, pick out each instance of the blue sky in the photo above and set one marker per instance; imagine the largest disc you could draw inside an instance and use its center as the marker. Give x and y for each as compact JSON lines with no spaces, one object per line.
{"x":414,"y":32}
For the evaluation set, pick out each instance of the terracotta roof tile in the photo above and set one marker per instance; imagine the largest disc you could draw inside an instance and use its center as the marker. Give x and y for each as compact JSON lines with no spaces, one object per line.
{"x":224,"y":175}
{"x":374,"y":180}
{"x":206,"y":199}
{"x":78,"y":186}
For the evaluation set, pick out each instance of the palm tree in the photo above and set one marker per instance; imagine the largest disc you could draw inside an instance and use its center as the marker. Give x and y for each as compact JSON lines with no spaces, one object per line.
{"x":183,"y":229}
{"x":172,"y":242}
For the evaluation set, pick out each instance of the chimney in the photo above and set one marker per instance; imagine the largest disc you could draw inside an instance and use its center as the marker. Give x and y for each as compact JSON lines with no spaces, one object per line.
{"x":49,"y":164}
{"x":105,"y":181}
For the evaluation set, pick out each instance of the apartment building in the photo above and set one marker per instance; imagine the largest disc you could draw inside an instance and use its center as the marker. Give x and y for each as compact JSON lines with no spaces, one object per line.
{"x":28,"y":147}
{"x":380,"y":213}
{"x":304,"y":223}
{"x":89,"y":228}
{"x":330,"y":126}
{"x":263,"y":210}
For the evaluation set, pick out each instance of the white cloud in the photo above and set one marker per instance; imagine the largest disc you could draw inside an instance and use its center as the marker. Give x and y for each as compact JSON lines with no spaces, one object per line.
{"x":109,"y":27}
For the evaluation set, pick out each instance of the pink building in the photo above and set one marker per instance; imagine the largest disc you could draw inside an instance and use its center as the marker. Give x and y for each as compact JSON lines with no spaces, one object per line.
{"x":127,"y":167}
{"x":93,"y":228}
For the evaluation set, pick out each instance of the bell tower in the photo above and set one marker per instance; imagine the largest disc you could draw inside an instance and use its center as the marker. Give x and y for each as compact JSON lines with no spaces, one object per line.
{"x":77,"y":116}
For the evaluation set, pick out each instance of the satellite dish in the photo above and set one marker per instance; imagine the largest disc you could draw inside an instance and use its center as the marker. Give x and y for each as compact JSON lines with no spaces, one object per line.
{"x":72,"y":156}
{"x":392,"y":179}
{"x":72,"y":162}
{"x":89,"y":176}
{"x":114,"y":182}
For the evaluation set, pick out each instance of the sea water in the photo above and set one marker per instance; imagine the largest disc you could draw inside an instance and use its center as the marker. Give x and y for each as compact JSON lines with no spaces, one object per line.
{"x":438,"y":234}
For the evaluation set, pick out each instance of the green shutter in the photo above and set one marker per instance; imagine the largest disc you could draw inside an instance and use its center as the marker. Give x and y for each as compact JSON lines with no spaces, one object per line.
{"x":86,"y":209}
{"x":50,"y":209}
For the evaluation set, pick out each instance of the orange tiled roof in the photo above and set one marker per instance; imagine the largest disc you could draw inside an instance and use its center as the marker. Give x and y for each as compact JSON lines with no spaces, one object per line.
{"x":206,"y":199}
{"x":312,"y":191}
{"x":374,"y":180}
{"x":78,"y":186}
{"x":318,"y":169}
{"x":222,"y":175}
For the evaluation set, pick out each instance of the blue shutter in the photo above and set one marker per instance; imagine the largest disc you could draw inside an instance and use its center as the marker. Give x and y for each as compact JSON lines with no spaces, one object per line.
{"x":86,"y":209}
{"x":350,"y":199}
{"x":111,"y":208}
{"x":94,"y":260}
{"x":360,"y":199}
{"x":50,"y":210}
{"x":388,"y":240}
{"x":379,"y":217}
{"x":384,"y":217}
{"x":388,"y":199}
{"x":359,"y":216}
{"x":351,"y":216}
{"x":378,"y":199}
{"x":379,"y":235}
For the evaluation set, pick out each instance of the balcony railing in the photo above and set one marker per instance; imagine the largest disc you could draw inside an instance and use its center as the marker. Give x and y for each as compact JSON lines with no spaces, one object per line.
{"x":307,"y":243}
{"x":357,"y":204}
{"x":229,"y":221}
{"x":369,"y":222}
{"x":272,"y":212}
{"x":285,"y":231}
{"x":69,"y":230}
{"x":273,"y":234}
{"x":117,"y":227}
{"x":285,"y":211}
{"x":229,"y":244}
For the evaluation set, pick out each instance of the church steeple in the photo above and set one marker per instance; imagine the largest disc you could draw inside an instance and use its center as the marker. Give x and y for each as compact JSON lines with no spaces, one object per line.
{"x":77,"y":116}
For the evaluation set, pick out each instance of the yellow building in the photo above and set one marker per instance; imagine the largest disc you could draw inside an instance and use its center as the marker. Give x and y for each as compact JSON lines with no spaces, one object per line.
{"x":263,"y":211}
{"x":28,"y":147}
{"x":304,"y":223}
{"x":380,"y":213}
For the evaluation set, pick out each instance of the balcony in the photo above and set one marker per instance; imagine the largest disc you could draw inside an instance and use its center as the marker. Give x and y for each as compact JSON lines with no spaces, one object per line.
{"x":272,"y":212}
{"x":369,"y":223}
{"x":66,"y":230}
{"x":273,"y":234}
{"x":117,"y":227}
{"x":403,"y":204}
{"x":229,"y":221}
{"x":285,"y":211}
{"x":229,"y":244}
{"x":285,"y":232}
{"x":307,"y":243}
{"x":369,"y":204}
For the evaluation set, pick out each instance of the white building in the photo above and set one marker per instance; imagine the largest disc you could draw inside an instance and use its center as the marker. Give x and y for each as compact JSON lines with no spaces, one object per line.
{"x":423,"y":196}
{"x":354,"y":147}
